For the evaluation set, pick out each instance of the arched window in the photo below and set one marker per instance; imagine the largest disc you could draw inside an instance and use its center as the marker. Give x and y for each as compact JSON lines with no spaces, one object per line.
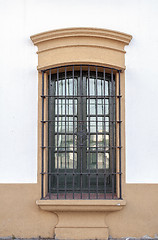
{"x":82,"y":155}
{"x":81,"y":150}
{"x":82,"y":129}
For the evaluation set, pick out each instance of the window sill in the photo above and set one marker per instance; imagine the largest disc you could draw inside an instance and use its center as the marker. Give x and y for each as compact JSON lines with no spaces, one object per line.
{"x":81,"y":205}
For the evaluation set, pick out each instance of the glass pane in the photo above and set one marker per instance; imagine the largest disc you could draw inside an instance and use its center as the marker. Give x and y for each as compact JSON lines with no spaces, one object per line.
{"x":100,"y":106}
{"x":106,"y":88}
{"x":107,"y":141}
{"x":60,"y":106}
{"x":92,"y":164}
{"x":70,"y":124}
{"x":103,"y":126}
{"x":92,"y":124}
{"x":92,"y":106}
{"x":61,"y":90}
{"x":92,"y":143}
{"x":61,"y":87}
{"x":100,"y":87}
{"x":103,"y":160}
{"x":70,"y":157}
{"x":100,"y":103}
{"x":103,"y":142}
{"x":106,"y":106}
{"x":107,"y":124}
{"x":69,"y":87}
{"x":92,"y":86}
{"x":65,"y":142}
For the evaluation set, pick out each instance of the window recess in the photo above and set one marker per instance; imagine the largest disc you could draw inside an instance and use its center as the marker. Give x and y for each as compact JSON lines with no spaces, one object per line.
{"x":81,"y":133}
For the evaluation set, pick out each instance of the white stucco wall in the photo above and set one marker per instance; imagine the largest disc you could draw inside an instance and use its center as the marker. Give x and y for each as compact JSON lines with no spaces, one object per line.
{"x":18,"y":78}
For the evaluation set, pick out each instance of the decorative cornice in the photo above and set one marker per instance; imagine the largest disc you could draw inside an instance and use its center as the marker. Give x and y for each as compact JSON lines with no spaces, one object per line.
{"x":81,"y":32}
{"x":81,"y":45}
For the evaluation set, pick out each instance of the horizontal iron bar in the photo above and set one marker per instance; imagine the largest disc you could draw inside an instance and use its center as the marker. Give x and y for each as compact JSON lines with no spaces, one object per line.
{"x":79,"y":96}
{"x":88,"y":151}
{"x":47,"y":121}
{"x":80,"y":133}
{"x":77,"y":173}
{"x":85,"y":193}
{"x":78,"y":191}
{"x":91,"y":115}
{"x":84,"y":146}
{"x":76,"y":116}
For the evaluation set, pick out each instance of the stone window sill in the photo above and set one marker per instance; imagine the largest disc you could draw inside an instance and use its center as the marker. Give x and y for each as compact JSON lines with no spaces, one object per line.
{"x":81,"y":205}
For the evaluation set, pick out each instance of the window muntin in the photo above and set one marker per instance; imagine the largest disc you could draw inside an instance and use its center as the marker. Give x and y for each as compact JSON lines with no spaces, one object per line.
{"x":90,"y":134}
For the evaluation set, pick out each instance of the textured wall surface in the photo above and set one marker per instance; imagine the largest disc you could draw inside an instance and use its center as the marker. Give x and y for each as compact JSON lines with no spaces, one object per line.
{"x":18,"y":86}
{"x":21,"y":217}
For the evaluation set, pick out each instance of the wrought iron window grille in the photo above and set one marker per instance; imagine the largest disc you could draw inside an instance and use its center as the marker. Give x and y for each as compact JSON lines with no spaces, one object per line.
{"x":81,"y":133}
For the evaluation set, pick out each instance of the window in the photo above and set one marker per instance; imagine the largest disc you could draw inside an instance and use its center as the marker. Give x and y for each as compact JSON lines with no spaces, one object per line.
{"x":82,"y":154}
{"x":82,"y":127}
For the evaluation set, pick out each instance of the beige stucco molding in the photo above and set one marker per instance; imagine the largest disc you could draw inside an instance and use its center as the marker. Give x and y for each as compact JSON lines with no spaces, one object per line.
{"x":90,"y":63}
{"x":81,"y":205}
{"x":85,"y":219}
{"x":81,"y":32}
{"x":81,"y":46}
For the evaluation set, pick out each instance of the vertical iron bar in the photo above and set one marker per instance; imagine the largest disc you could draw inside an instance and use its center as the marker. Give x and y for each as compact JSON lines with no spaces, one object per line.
{"x":49,"y":138}
{"x":42,"y":167}
{"x":112,"y":114}
{"x":115,"y":143}
{"x":68,"y":137}
{"x":57,"y":133}
{"x":65,"y":133}
{"x":120,"y":136}
{"x":73,"y":180}
{"x":61,"y":109}
{"x":84,"y":131}
{"x":52,"y":91}
{"x":104,"y":141}
{"x":88,"y":132}
{"x":109,"y":177}
{"x":96,"y":133}
{"x":81,"y":130}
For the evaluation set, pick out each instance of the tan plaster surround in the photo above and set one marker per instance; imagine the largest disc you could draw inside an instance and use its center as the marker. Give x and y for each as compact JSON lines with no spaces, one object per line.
{"x":82,"y":46}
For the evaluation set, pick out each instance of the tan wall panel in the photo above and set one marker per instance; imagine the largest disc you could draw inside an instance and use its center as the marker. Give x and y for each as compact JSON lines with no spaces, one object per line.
{"x":20,"y":216}
{"x":139,"y":217}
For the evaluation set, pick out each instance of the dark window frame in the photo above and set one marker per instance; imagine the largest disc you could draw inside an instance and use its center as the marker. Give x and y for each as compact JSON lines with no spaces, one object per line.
{"x":107,"y":74}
